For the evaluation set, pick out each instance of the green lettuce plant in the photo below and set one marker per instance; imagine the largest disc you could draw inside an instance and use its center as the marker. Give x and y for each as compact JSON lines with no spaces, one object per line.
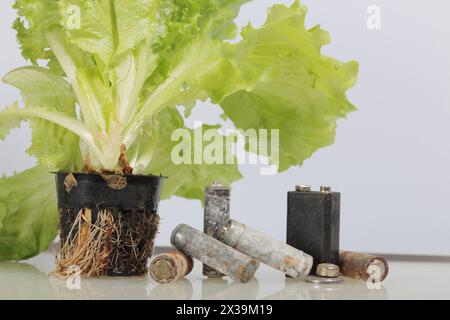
{"x":106,"y":77}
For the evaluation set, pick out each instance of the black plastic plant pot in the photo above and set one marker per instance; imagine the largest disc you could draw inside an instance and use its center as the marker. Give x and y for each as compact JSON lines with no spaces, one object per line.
{"x":107,"y":223}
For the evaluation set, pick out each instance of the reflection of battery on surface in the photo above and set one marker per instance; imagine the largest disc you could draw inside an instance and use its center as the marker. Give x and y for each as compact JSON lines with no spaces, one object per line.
{"x":313,"y":223}
{"x":216,"y":214}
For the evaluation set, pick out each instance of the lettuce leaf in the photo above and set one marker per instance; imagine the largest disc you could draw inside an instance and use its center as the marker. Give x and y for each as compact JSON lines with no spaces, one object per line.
{"x":28,"y":214}
{"x":35,"y":19}
{"x":186,"y":180}
{"x":52,"y":145}
{"x":9,"y":120}
{"x":295,"y":88}
{"x":110,"y":28}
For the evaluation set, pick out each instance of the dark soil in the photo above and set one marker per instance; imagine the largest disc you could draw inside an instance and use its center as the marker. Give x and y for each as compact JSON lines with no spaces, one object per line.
{"x":132,"y":243}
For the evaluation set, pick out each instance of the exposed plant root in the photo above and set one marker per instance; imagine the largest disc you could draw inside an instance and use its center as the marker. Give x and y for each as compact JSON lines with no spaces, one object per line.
{"x":113,"y":243}
{"x":87,"y":246}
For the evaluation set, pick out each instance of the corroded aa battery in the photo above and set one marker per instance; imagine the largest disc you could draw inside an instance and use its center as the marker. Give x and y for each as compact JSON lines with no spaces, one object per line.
{"x":274,"y":253}
{"x":216,"y":214}
{"x":169,"y":267}
{"x":214,"y":253}
{"x":363,"y":266}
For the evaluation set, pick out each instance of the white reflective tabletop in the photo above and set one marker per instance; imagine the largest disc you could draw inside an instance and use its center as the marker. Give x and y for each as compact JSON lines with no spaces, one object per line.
{"x":407,"y":280}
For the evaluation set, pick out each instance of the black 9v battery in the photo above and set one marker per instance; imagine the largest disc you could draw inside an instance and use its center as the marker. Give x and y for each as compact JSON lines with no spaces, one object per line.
{"x":313,"y":223}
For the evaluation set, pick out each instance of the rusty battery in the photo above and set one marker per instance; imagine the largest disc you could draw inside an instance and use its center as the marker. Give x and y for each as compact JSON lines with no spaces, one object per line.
{"x":363,"y":266}
{"x":169,"y":267}
{"x":214,"y":253}
{"x":274,"y":253}
{"x":216,"y":214}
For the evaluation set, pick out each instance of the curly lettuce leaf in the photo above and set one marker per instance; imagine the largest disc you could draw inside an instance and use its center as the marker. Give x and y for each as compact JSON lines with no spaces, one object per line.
{"x":187,"y":47}
{"x":288,"y":84}
{"x":275,"y":78}
{"x":9,"y":120}
{"x":35,"y":19}
{"x":52,"y":145}
{"x":28,"y":214}
{"x":109,"y":28}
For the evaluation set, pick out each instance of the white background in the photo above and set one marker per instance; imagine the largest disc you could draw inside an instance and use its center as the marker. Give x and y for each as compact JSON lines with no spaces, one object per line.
{"x":391,"y":158}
